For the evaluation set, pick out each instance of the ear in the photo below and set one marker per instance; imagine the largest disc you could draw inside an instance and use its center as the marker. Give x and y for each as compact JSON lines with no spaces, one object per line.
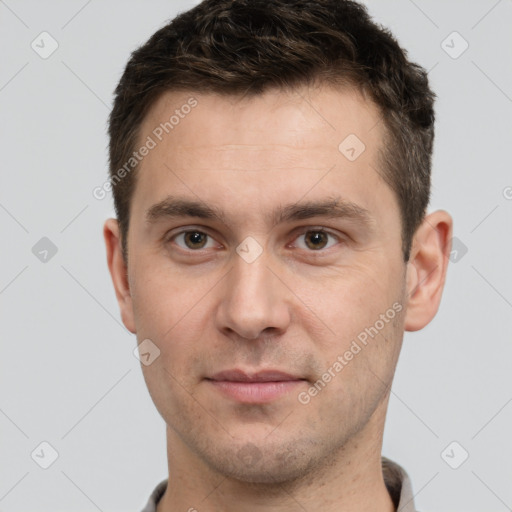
{"x":119,"y":272}
{"x":426,"y":269}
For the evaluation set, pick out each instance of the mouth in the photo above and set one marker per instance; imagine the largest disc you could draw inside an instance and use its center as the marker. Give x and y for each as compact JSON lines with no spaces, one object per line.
{"x":258,"y":387}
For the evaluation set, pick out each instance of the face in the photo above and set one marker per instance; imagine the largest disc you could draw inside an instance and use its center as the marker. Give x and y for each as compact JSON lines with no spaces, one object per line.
{"x":278,"y":322}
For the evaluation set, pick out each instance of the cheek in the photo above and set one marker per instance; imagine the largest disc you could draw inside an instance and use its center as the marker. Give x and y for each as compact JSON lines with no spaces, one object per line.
{"x":351,"y":299}
{"x":359,"y":368}
{"x":168,"y":390}
{"x":164,"y":300}
{"x":175,"y":319}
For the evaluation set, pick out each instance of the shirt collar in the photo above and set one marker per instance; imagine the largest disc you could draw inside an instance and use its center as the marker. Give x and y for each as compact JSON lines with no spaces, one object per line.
{"x":399,"y":486}
{"x":396,"y":479}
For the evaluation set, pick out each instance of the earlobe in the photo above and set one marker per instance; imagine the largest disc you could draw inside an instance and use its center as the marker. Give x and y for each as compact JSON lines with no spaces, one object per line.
{"x":119,"y":272}
{"x":426,"y":269}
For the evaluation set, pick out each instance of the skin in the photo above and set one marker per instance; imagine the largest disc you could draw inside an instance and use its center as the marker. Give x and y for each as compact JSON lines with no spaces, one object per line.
{"x":295,"y":308}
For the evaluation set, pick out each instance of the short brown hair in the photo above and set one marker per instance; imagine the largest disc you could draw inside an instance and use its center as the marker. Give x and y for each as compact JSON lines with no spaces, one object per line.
{"x":244,"y":47}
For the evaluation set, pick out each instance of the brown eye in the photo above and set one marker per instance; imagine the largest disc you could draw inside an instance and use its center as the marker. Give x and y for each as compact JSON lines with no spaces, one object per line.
{"x":195,"y":239}
{"x":192,"y":240}
{"x":316,"y":239}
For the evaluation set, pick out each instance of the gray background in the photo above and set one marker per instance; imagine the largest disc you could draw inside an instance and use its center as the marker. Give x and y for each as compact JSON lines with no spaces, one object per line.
{"x":67,"y":372}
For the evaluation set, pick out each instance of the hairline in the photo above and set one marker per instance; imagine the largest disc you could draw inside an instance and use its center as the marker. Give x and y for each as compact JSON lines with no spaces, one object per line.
{"x":337,"y":79}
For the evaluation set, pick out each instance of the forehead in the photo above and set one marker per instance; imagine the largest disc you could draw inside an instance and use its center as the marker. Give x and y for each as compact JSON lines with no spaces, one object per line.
{"x":293,"y":125}
{"x":274,"y":142}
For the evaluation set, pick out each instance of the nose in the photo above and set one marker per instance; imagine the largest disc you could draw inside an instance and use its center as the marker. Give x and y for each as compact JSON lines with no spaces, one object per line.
{"x":254,"y":302}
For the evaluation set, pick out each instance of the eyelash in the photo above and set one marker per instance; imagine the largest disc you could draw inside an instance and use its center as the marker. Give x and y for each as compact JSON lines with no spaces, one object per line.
{"x":310,"y":229}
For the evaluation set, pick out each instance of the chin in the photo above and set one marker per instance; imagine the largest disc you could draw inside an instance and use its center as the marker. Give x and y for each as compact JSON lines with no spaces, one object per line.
{"x":267,"y":464}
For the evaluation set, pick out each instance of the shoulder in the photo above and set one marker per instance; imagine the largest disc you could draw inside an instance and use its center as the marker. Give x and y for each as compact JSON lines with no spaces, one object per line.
{"x":155,"y":497}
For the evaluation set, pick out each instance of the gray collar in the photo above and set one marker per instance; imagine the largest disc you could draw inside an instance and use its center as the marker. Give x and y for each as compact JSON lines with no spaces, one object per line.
{"x":396,"y":480}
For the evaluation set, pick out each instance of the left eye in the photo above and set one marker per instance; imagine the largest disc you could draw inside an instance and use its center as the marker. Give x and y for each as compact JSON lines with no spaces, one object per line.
{"x":317,"y":239}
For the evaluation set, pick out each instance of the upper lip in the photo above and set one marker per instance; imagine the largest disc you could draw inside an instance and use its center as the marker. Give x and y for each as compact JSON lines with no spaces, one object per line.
{"x":260,"y":376}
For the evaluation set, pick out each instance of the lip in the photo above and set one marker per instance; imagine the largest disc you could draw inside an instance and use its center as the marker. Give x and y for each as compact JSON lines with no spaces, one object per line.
{"x":261,"y":376}
{"x":259,"y":387}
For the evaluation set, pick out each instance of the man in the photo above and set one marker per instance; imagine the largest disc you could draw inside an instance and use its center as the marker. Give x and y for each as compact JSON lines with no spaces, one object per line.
{"x":270,"y":165}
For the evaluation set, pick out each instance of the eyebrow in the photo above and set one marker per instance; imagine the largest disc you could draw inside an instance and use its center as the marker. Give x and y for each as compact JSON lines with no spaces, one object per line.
{"x":331,"y":207}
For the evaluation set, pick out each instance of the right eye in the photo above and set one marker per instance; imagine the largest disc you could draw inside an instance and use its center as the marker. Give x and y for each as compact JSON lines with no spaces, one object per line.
{"x":191,"y":240}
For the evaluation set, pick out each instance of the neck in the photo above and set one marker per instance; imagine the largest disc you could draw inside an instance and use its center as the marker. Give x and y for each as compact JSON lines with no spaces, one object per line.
{"x":351,"y":481}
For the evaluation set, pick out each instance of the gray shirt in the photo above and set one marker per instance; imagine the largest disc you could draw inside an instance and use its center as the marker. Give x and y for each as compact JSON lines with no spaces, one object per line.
{"x":396,"y":480}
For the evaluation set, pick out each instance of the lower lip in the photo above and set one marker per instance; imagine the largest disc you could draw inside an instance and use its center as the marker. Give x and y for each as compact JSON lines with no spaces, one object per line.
{"x":255,"y":392}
